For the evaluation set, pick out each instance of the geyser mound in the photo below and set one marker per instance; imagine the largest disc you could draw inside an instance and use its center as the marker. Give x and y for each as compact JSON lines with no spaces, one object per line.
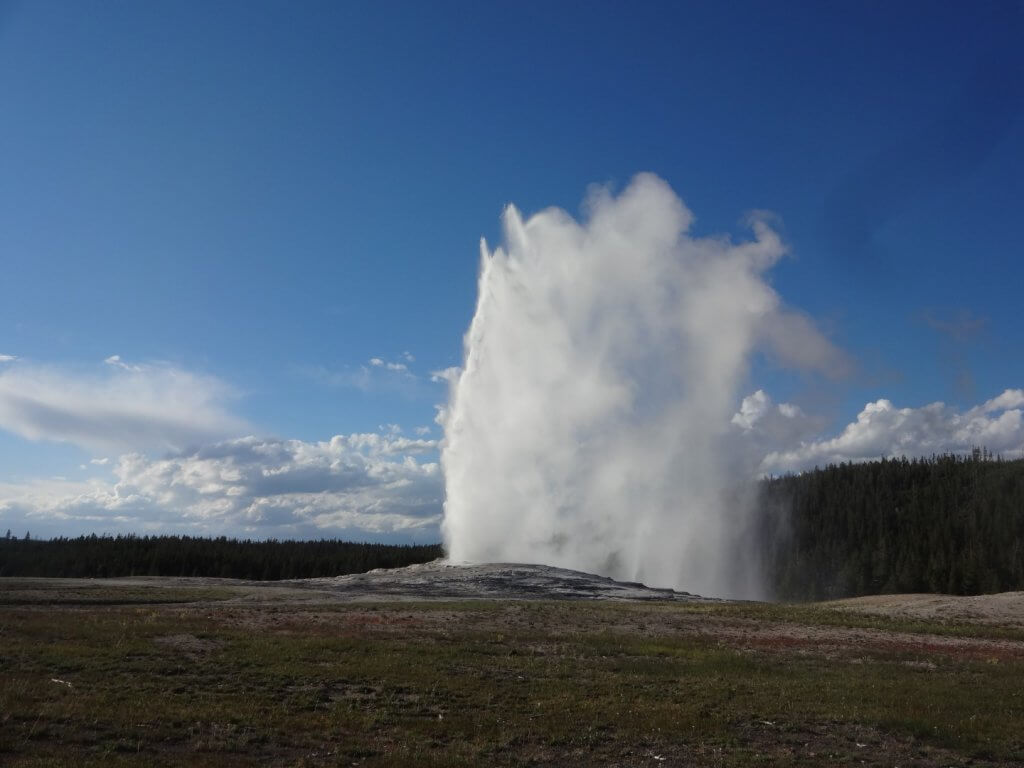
{"x":589,"y":427}
{"x":442,"y":580}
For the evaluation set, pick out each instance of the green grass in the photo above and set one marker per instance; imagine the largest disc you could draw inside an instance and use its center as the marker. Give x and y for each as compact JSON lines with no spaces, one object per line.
{"x":460,"y":684}
{"x":104,"y":592}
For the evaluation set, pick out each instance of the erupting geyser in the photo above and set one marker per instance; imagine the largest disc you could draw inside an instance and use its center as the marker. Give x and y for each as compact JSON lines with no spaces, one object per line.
{"x":589,"y":427}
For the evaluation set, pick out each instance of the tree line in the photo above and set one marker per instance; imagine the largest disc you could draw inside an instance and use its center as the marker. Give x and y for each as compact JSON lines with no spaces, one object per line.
{"x":950,"y":524}
{"x":109,"y":556}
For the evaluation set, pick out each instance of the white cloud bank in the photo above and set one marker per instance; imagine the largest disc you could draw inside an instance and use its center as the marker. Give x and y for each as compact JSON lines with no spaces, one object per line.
{"x":206,"y":480}
{"x":883,"y":430}
{"x":359,"y":484}
{"x":119,"y":407}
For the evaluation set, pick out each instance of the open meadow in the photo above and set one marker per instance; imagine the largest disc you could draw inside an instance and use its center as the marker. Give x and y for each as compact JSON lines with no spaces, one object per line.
{"x":152,"y":672}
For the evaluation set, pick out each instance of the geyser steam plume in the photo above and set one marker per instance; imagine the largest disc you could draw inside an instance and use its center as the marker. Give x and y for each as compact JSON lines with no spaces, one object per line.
{"x":589,"y":427}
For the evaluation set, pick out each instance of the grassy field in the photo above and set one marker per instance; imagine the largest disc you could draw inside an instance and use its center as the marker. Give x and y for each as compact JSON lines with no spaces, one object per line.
{"x":147,"y":676}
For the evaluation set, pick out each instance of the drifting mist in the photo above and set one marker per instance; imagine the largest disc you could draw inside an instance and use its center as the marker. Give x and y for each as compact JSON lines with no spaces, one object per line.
{"x":590,"y":426}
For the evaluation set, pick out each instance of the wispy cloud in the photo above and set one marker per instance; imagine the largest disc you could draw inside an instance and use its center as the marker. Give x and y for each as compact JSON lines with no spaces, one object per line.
{"x":117,"y":362}
{"x":7,"y":358}
{"x":958,"y":332}
{"x":395,"y":365}
{"x":794,"y":339}
{"x":118,"y":407}
{"x":376,"y":374}
{"x":392,"y":365}
{"x":959,"y":326}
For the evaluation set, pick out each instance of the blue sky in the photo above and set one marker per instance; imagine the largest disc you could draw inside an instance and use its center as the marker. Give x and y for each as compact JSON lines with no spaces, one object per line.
{"x":247,"y":203}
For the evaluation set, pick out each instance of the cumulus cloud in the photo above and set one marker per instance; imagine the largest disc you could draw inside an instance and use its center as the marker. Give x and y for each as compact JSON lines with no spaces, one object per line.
{"x":752,"y":410}
{"x":761,"y":426}
{"x":46,"y":506}
{"x":1011,"y":398}
{"x":760,"y":411}
{"x":166,"y":448}
{"x":122,"y":407}
{"x":764,"y":425}
{"x":365,"y":483}
{"x":881,"y":429}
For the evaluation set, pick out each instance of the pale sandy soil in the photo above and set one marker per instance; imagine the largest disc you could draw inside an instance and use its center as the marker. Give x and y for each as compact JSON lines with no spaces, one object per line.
{"x":1005,"y":608}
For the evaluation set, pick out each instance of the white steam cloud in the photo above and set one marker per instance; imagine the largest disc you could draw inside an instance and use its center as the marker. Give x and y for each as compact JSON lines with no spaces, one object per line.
{"x":590,"y":425}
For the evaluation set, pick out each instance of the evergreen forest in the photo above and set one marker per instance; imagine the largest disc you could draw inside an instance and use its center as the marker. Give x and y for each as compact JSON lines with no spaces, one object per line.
{"x":108,"y":556}
{"x":949,"y":524}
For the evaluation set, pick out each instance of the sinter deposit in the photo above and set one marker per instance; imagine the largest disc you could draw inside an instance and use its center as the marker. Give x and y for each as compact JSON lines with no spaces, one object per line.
{"x":441,"y":580}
